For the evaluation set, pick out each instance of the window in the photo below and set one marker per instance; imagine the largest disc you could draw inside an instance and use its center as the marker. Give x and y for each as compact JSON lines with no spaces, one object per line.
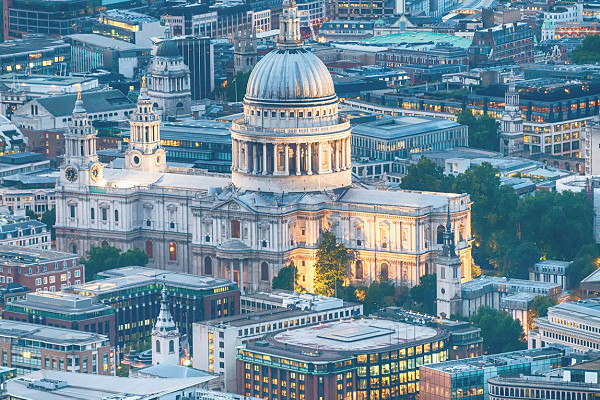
{"x":157,"y":346}
{"x":92,"y":213}
{"x":208,"y":266}
{"x":264,"y":271}
{"x":440,"y":234}
{"x":384,"y":272}
{"x":171,"y":346}
{"x":72,"y":208}
{"x":235,"y":229}
{"x":104,"y":214}
{"x":149,"y":249}
{"x":77,"y":273}
{"x":172,"y":251}
{"x":359,"y":272}
{"x":116,"y":215}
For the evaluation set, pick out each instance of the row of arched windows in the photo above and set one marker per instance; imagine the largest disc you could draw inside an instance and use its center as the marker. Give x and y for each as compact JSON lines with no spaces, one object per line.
{"x":149,"y":247}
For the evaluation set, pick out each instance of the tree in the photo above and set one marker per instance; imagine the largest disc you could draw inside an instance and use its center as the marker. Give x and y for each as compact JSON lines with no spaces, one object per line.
{"x":49,"y":218}
{"x":588,"y":52}
{"x":98,"y":259}
{"x":500,"y":332}
{"x":377,"y":296}
{"x":331,"y":266}
{"x":239,"y":82}
{"x":426,"y":175}
{"x":483,"y":131}
{"x":586,"y":261}
{"x":30,"y":213}
{"x":287,"y":278}
{"x":539,"y":308}
{"x":424,"y":294}
{"x":518,"y":259}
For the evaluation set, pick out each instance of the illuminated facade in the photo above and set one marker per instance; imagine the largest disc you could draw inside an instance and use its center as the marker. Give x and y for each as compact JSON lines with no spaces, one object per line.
{"x":350,"y":359}
{"x":291,"y":180}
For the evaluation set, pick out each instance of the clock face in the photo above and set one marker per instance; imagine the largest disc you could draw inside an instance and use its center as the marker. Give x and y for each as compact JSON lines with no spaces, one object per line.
{"x":71,"y":174}
{"x":95,"y":172}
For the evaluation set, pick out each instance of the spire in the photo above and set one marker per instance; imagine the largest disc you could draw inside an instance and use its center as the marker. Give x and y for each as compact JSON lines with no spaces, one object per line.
{"x":164,"y":322}
{"x":143,"y":90}
{"x":167,"y":27}
{"x":448,"y":246}
{"x":511,"y":82}
{"x":78,"y":103}
{"x":289,"y":26}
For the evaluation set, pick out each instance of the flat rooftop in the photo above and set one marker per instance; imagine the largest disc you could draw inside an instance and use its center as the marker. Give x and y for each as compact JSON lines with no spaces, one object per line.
{"x":509,"y":284}
{"x":87,"y":386}
{"x":41,"y":79}
{"x":29,"y":44}
{"x":131,"y":17}
{"x":494,"y":360}
{"x":594,"y":277}
{"x":356,"y":335}
{"x":403,"y":127}
{"x":22,"y":256}
{"x":48,"y":334}
{"x":588,"y":310}
{"x":103,"y":41}
{"x":59,"y":302}
{"x":258,"y":317}
{"x":418,"y":37}
{"x":131,"y":277}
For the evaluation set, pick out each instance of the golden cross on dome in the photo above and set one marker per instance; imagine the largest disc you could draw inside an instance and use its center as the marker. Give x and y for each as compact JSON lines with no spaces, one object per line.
{"x":79,"y":94}
{"x":143,"y":81}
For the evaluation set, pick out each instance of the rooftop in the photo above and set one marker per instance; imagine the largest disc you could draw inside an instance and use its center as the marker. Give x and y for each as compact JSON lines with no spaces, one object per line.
{"x":355,"y":335}
{"x":588,"y":310}
{"x":419,"y":37}
{"x":495,"y":360}
{"x":508,"y":285}
{"x":41,"y":79}
{"x":94,"y":102}
{"x":128,"y":16}
{"x":30,"y":44}
{"x":130,"y":277}
{"x":48,"y":334}
{"x":59,"y":302}
{"x":85,"y":386}
{"x":104,"y":41}
{"x":22,"y":256}
{"x":286,"y":298}
{"x":258,"y":317}
{"x":402,"y":127}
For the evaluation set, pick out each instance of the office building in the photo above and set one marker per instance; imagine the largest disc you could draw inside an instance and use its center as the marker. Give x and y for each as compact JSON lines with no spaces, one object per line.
{"x":552,"y":271}
{"x":57,"y":385}
{"x":589,"y":287}
{"x":468,"y":378}
{"x":422,"y":54}
{"x":347,"y":10}
{"x":19,"y":88}
{"x":216,"y":341}
{"x":30,"y":347}
{"x":63,"y":310}
{"x":362,"y":359}
{"x":128,"y":26}
{"x":55,"y":112}
{"x":134,"y":294}
{"x":513,"y":387}
{"x":39,"y":269}
{"x":91,"y":51}
{"x":19,"y":230}
{"x":35,"y":54}
{"x":575,"y":324}
{"x":197,"y":53}
{"x":503,"y":44}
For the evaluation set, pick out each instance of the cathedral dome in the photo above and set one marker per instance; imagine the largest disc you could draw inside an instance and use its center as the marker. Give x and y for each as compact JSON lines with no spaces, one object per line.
{"x":167,"y":48}
{"x":290,"y":74}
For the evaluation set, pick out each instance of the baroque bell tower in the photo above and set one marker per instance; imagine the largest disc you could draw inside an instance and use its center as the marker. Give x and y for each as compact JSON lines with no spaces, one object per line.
{"x":165,"y":335}
{"x":511,"y":125}
{"x":81,"y":160}
{"x":448,"y":271}
{"x":145,"y":152}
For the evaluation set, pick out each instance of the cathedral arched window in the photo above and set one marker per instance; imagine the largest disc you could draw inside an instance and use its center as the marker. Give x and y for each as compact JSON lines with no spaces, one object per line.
{"x":104,"y":243}
{"x":207,"y":266}
{"x":147,"y":134}
{"x":92,"y":213}
{"x":461,"y":233}
{"x":385,"y":273}
{"x":440,"y":234}
{"x":157,"y":346}
{"x":264,"y":271}
{"x":359,"y":272}
{"x":73,"y":248}
{"x":149,"y":249}
{"x":171,"y":346}
{"x":116,"y":215}
{"x":172,"y":251}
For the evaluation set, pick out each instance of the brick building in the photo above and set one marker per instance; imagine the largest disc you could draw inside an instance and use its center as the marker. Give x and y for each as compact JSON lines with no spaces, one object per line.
{"x":39,"y":269}
{"x":502,"y":44}
{"x":30,"y":347}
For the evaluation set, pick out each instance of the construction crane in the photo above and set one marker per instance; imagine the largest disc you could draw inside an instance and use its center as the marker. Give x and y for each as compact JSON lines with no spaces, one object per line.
{"x":305,"y":16}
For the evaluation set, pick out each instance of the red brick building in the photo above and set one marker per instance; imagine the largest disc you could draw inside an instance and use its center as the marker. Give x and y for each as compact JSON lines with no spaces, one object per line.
{"x":39,"y":269}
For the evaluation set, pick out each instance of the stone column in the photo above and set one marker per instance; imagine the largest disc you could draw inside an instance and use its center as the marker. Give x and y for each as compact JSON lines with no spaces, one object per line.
{"x":330,"y":155}
{"x":233,"y":157}
{"x":309,"y":158}
{"x":264,"y":166}
{"x":297,"y":158}
{"x":319,"y":161}
{"x":287,"y":159}
{"x":239,"y":154}
{"x":275,"y":172}
{"x":344,"y":164}
{"x":348,"y":152}
{"x":255,"y":158}
{"x":337,"y":154}
{"x":242,"y":276}
{"x":247,"y":149}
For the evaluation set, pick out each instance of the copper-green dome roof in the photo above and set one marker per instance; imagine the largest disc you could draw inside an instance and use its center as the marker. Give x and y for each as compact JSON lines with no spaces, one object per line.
{"x":167,"y":48}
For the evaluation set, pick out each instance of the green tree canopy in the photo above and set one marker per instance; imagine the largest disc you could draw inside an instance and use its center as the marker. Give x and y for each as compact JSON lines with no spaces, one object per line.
{"x":30,"y":213}
{"x":539,"y":308}
{"x":331,"y":266}
{"x":426,"y":175}
{"x":515,"y":261}
{"x":287,"y":278}
{"x":586,"y":261}
{"x":49,"y":218}
{"x":239,"y":82}
{"x":377,"y":296}
{"x":483,"y":131}
{"x":98,"y":259}
{"x":500,"y":332}
{"x":425,"y":293}
{"x":588,"y":52}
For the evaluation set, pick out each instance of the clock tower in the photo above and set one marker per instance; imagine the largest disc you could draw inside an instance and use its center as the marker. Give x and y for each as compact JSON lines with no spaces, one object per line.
{"x":145,"y":152}
{"x":81,"y":161}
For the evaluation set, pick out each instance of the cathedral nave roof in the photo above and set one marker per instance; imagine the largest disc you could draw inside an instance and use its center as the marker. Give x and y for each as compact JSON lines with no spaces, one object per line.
{"x":124,"y":178}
